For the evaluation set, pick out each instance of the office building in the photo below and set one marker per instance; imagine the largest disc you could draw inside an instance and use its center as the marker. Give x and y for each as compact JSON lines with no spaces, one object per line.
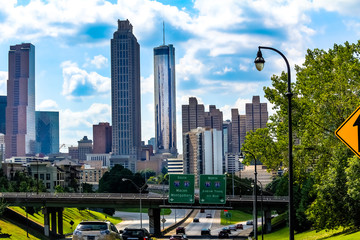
{"x":47,"y":132}
{"x":238,"y":131}
{"x":2,"y":148}
{"x":203,"y":153}
{"x":84,"y":147}
{"x":125,"y":95}
{"x":102,"y":136}
{"x":193,"y":115}
{"x":256,"y":114}
{"x":20,"y":110}
{"x":227,"y":135}
{"x":165,"y":99}
{"x":3,"y":103}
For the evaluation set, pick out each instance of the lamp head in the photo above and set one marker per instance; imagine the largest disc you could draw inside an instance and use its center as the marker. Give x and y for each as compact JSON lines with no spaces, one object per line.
{"x":259,"y":61}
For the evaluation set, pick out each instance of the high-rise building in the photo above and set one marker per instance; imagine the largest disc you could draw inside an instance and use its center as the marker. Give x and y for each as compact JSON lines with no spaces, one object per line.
{"x":102,"y":138}
{"x":227,"y":135}
{"x":47,"y":132}
{"x":3,"y":103}
{"x":125,"y":95}
{"x":165,"y":100}
{"x":20,"y":110}
{"x":203,"y":153}
{"x":2,"y":148}
{"x":214,"y":118}
{"x":84,"y":147}
{"x":238,"y":131}
{"x":256,"y":114}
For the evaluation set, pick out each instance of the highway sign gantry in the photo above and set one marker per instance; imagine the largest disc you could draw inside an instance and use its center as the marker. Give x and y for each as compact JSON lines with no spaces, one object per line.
{"x":181,"y":188}
{"x":349,"y":132}
{"x":212,"y":189}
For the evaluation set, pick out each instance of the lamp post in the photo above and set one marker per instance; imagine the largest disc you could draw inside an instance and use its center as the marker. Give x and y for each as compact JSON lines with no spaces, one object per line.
{"x":259,"y":63}
{"x":140,"y":189}
{"x":241,"y":158}
{"x":255,"y":193}
{"x":262,"y":211}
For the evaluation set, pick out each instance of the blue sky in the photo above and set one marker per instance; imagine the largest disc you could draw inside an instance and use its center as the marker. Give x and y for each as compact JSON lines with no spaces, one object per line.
{"x":215,"y":40}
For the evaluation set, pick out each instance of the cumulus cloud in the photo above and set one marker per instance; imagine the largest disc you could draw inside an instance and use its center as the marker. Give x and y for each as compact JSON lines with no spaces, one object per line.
{"x":147,"y":84}
{"x":224,"y":71}
{"x":47,"y":104}
{"x":79,"y":84}
{"x":3,"y":79}
{"x":99,"y":61}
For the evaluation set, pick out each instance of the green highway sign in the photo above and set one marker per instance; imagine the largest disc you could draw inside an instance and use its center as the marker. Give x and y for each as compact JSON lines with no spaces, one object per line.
{"x":212,"y":189}
{"x":181,"y":188}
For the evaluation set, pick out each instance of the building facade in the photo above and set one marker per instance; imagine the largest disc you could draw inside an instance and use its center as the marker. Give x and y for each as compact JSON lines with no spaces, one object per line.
{"x":125,"y":94}
{"x":2,"y":147}
{"x":165,"y":99}
{"x":193,"y":115}
{"x":20,"y":135}
{"x":47,"y":132}
{"x":3,"y":103}
{"x":256,"y":114}
{"x":102,"y":136}
{"x":84,"y":147}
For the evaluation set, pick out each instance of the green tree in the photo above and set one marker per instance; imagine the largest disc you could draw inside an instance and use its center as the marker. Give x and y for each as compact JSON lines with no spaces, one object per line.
{"x":325,"y":93}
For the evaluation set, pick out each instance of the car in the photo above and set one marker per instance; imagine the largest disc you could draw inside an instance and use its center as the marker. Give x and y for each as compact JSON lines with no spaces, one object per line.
{"x":196,"y":220}
{"x":179,"y":237}
{"x":232,"y":227}
{"x":226,"y":229}
{"x":202,"y":210}
{"x":223,"y":234}
{"x":96,"y":230}
{"x":239,"y":226}
{"x":180,"y":230}
{"x":205,"y":231}
{"x":250,"y":222}
{"x":135,"y":234}
{"x":208,"y":215}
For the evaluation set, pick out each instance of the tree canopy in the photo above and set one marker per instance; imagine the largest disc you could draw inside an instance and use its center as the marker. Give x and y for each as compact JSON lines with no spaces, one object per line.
{"x":326,"y":92}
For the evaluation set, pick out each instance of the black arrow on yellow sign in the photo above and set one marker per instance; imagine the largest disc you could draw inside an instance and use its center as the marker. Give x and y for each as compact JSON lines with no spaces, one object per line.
{"x":357,"y":123}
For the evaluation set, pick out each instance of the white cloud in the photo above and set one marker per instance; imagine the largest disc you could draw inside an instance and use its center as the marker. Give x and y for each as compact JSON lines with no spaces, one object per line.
{"x":147,"y":84}
{"x":78,"y":83}
{"x":3,"y":79}
{"x":99,"y":61}
{"x":47,"y":104}
{"x":224,"y":71}
{"x":345,"y":7}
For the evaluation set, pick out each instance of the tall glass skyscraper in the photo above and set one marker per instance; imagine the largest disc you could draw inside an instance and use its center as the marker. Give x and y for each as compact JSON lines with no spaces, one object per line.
{"x":3,"y":103}
{"x":20,"y":110}
{"x":165,"y":104}
{"x":125,"y":92}
{"x":47,"y":132}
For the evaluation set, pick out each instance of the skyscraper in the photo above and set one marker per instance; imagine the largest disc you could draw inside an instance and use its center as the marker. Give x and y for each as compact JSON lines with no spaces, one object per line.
{"x":256,"y":114}
{"x":102,"y":138}
{"x":3,"y":103}
{"x":193,"y":115}
{"x":125,"y":94}
{"x":47,"y":132}
{"x":20,"y":111}
{"x":165,"y":100}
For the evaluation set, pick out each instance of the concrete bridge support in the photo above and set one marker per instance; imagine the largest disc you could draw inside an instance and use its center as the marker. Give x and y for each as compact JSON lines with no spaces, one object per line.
{"x":154,"y":221}
{"x":56,"y":216}
{"x":267,"y":216}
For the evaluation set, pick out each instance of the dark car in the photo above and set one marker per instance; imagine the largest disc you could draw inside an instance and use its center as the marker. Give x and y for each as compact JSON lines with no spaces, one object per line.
{"x":180,"y":230}
{"x":239,"y":226}
{"x":250,"y":222}
{"x":208,"y":215}
{"x":223,"y":234}
{"x":232,"y":227}
{"x":226,"y":229}
{"x":179,"y":237}
{"x":135,"y":234}
{"x":202,"y":210}
{"x":195,"y":220}
{"x":205,"y":231}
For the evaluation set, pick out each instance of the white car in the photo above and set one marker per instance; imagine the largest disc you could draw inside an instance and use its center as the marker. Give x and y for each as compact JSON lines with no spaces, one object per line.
{"x":96,"y":230}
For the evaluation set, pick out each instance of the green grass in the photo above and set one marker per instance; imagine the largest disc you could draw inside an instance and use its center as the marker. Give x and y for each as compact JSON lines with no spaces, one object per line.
{"x":17,"y":231}
{"x":236,"y":216}
{"x":340,"y":234}
{"x":71,"y":214}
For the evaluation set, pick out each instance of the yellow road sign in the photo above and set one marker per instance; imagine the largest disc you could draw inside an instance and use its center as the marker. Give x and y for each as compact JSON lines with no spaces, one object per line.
{"x":349,"y":132}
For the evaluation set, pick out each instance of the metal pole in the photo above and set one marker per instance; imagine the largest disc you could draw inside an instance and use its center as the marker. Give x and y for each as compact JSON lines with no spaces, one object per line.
{"x":37,"y":179}
{"x":140,"y":209}
{"x":255,"y":202}
{"x":291,"y":194}
{"x":233,"y":183}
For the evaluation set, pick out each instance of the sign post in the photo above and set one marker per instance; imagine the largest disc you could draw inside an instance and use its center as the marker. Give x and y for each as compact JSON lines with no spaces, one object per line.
{"x":212,"y":189}
{"x":349,"y":132}
{"x":181,"y":188}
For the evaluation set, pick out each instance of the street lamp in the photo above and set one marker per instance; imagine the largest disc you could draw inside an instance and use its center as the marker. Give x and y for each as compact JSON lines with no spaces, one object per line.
{"x":262,"y":211}
{"x":241,"y":158}
{"x":259,"y":63}
{"x":255,"y":193}
{"x":140,"y":189}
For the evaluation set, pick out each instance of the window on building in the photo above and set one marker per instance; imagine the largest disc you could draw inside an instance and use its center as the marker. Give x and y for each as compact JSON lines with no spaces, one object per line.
{"x":48,"y":176}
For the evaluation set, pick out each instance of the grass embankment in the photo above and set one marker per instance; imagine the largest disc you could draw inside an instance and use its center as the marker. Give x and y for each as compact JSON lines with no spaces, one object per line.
{"x":18,"y":232}
{"x":236,"y":216}
{"x":70,"y":214}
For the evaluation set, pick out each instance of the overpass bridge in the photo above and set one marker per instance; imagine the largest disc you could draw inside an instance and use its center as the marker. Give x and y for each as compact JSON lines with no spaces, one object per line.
{"x":53,"y":204}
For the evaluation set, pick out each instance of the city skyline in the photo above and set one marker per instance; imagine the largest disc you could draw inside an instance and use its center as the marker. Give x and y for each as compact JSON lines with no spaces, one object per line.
{"x":216,"y":43}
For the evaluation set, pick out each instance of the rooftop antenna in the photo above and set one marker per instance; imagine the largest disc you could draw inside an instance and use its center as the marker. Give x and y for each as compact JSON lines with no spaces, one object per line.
{"x":163,"y":33}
